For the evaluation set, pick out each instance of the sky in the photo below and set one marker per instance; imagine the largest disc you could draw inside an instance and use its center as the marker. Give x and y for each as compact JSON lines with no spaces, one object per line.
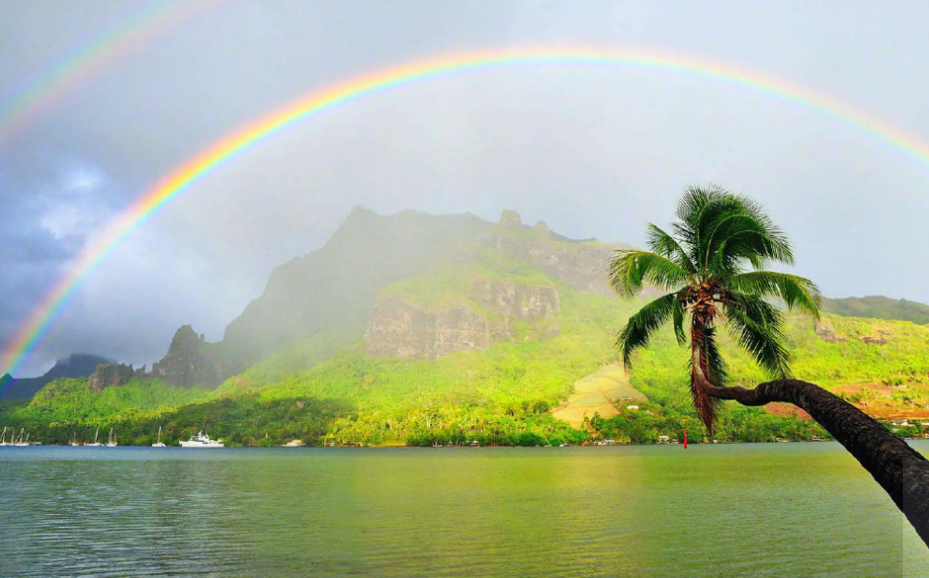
{"x":592,"y":151}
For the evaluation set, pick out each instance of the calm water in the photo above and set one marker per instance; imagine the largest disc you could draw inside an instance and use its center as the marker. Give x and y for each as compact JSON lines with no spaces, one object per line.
{"x":778,"y":510}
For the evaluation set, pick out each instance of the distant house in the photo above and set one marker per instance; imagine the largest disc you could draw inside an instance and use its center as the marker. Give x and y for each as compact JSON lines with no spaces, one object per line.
{"x":632,"y":407}
{"x":664,"y":439}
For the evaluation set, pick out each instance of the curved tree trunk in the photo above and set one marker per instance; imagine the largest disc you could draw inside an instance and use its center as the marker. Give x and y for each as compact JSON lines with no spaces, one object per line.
{"x":899,"y":469}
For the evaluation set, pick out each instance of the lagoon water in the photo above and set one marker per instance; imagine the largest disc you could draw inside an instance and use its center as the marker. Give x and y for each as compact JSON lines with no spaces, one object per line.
{"x":768,"y":510}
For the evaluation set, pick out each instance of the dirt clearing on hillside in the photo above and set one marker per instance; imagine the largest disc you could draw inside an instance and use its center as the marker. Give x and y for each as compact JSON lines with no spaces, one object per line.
{"x":599,"y":392}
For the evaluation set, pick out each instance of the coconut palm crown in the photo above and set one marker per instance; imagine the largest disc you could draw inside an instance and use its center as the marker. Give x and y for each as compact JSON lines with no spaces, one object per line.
{"x":712,"y":266}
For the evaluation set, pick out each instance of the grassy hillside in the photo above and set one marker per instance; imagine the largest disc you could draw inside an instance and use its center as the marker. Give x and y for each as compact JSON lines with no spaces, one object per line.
{"x":324,"y":389}
{"x":878,"y":307}
{"x":499,"y":395}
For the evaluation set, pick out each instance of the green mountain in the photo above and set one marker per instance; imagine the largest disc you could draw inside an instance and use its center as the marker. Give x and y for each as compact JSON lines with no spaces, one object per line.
{"x":499,"y":333}
{"x":878,"y":307}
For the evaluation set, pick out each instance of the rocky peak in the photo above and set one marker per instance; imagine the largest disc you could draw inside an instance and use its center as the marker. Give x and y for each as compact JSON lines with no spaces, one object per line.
{"x":581,"y":265}
{"x":190,"y":361}
{"x":185,"y":340}
{"x":510,"y":219}
{"x":107,"y":375}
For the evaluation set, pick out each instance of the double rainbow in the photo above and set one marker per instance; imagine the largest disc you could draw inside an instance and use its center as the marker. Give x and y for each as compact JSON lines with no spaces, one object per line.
{"x":369,"y":85}
{"x":89,"y":60}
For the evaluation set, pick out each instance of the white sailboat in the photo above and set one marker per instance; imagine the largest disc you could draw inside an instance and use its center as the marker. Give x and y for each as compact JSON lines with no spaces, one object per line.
{"x":201,"y":441}
{"x":3,"y":438}
{"x":74,"y":440}
{"x":95,"y":444}
{"x":21,"y":443}
{"x":111,"y":442}
{"x":158,"y":444}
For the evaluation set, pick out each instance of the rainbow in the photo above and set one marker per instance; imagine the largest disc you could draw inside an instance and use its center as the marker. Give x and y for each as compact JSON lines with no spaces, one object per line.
{"x":84,"y":63}
{"x":370,"y":85}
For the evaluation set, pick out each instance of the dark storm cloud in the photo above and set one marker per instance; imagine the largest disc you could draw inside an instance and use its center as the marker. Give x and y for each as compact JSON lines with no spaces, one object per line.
{"x":591,"y":151}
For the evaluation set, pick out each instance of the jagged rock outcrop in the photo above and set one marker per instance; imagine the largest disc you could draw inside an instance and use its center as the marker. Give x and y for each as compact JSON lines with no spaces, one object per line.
{"x":190,"y":361}
{"x":401,"y":329}
{"x":873,"y":339}
{"x":825,"y":331}
{"x":510,"y":219}
{"x":528,"y":303}
{"x":397,"y":328}
{"x":107,"y":375}
{"x":579,"y":264}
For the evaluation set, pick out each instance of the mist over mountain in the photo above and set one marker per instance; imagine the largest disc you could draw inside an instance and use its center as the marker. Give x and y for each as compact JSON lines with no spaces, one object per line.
{"x":335,"y":292}
{"x":412,"y":328}
{"x":75,"y":365}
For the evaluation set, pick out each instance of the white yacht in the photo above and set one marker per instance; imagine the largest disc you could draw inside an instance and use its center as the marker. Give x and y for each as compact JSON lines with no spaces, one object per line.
{"x":159,"y":444}
{"x":111,"y":442}
{"x":95,"y":444}
{"x":3,"y":438}
{"x":201,"y":441}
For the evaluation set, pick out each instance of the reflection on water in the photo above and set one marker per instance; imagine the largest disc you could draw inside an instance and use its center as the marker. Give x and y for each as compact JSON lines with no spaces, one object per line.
{"x":742,"y":510}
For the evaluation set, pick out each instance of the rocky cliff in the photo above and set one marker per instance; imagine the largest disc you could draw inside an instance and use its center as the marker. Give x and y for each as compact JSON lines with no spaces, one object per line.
{"x":190,"y":361}
{"x":107,"y":375}
{"x":579,"y":264}
{"x":397,"y":328}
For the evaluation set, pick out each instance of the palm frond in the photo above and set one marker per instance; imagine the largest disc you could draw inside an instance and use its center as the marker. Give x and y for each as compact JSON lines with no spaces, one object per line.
{"x":677,"y":318}
{"x":667,"y":246}
{"x":630,"y":269}
{"x":744,"y":236}
{"x":759,"y":328}
{"x":639,"y":329}
{"x":795,"y":291}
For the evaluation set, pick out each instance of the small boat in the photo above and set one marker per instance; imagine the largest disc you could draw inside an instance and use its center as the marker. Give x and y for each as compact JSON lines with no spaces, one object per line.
{"x":95,"y":444}
{"x":22,"y":443}
{"x":111,"y":442}
{"x":3,"y":438}
{"x":158,"y":444}
{"x":294,"y":444}
{"x":201,"y":441}
{"x":74,"y":440}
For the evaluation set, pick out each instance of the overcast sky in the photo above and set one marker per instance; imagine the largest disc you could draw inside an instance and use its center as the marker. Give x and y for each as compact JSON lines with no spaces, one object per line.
{"x":593,"y":151}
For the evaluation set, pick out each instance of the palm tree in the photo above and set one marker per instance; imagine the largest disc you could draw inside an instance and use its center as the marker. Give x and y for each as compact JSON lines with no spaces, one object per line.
{"x":704,"y":267}
{"x":712,"y":268}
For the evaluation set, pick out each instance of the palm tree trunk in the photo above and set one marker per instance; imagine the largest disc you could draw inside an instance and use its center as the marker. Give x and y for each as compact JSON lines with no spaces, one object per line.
{"x":899,"y":469}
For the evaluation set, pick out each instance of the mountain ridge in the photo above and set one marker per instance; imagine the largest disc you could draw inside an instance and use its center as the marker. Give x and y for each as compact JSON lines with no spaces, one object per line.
{"x":73,"y":365}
